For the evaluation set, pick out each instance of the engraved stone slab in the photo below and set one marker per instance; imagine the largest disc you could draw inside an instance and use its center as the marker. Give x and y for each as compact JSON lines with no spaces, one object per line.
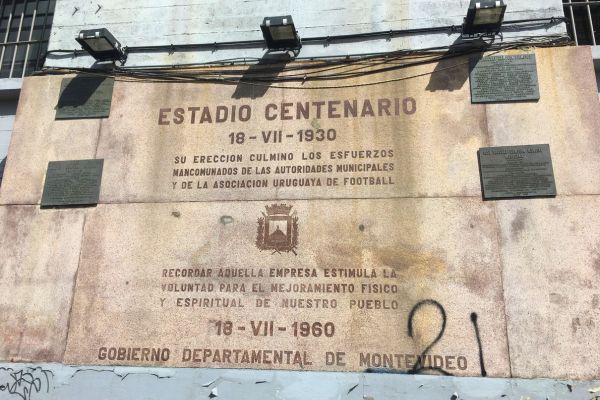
{"x":36,"y":141}
{"x":85,"y":97}
{"x":516,"y":171}
{"x":189,"y":142}
{"x":75,"y":182}
{"x":551,"y":268}
{"x":40,"y":254}
{"x":504,"y":78}
{"x":144,"y":134}
{"x":220,"y":286}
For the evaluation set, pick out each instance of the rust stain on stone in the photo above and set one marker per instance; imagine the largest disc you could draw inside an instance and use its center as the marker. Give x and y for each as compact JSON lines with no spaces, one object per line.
{"x":402,"y":258}
{"x":518,"y":224}
{"x":595,"y":301}
{"x":556,"y":210}
{"x":596,"y":261}
{"x":575,"y":324}
{"x":557,"y":298}
{"x":340,"y":254}
{"x":476,"y":282}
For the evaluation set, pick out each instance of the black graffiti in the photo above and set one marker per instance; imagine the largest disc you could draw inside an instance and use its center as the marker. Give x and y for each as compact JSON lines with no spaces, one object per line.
{"x":476,"y":327}
{"x":24,"y":383}
{"x":418,"y":367}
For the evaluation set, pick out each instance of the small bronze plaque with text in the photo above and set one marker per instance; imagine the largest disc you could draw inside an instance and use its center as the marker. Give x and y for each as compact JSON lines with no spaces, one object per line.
{"x":516,"y":171}
{"x":85,"y":97}
{"x":504,"y":78}
{"x":71,"y":183}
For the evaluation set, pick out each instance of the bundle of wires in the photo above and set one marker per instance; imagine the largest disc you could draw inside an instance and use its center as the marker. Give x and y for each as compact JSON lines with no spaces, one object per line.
{"x":294,"y":75}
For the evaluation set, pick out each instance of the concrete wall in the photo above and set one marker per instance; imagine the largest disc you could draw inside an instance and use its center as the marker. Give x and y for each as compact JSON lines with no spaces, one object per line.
{"x":596,"y":56}
{"x":57,"y":382}
{"x":8,"y":109}
{"x":138,"y":23}
{"x":9,"y":95}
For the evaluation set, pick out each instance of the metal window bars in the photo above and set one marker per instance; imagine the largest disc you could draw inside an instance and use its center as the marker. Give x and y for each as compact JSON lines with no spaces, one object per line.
{"x":24,"y":32}
{"x":584,"y":16}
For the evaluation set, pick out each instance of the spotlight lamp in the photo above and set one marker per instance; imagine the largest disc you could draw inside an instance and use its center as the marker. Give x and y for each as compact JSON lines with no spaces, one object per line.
{"x":484,"y":16}
{"x":280,"y":33}
{"x":101,"y":45}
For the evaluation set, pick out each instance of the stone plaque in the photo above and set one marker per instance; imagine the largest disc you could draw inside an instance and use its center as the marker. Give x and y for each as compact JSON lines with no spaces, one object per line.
{"x":367,"y":248}
{"x":504,"y":78}
{"x":85,"y":97}
{"x":516,"y":171}
{"x":74,"y":182}
{"x":301,"y":284}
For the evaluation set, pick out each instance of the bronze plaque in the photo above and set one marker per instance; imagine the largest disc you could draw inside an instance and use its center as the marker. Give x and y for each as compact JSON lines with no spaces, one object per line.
{"x":71,"y":183}
{"x":85,"y":97}
{"x":504,"y":78}
{"x":516,"y":171}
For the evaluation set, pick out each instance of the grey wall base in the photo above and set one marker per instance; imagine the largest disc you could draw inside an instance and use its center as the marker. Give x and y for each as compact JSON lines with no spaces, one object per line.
{"x":56,"y":381}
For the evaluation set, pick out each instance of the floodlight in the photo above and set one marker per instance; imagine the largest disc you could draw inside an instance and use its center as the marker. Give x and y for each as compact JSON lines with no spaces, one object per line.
{"x":101,"y":45}
{"x":280,"y":33}
{"x":484,"y":16}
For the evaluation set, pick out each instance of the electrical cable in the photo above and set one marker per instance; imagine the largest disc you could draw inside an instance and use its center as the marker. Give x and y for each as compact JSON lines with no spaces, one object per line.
{"x":316,"y":39}
{"x":322,"y":70}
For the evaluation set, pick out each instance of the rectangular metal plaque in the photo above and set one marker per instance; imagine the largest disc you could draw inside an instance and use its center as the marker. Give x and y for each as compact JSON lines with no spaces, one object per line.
{"x":504,"y":78}
{"x":72,"y":183}
{"x":85,"y":97}
{"x":516,"y":171}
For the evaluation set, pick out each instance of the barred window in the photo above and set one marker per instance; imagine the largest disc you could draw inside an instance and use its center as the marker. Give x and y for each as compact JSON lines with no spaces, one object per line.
{"x":24,"y":32}
{"x":584,"y":16}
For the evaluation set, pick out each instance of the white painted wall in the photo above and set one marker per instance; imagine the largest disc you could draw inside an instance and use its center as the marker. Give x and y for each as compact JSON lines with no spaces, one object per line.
{"x":9,"y":96}
{"x":596,"y":56}
{"x":60,"y":382}
{"x":136,"y":23}
{"x":8,"y":109}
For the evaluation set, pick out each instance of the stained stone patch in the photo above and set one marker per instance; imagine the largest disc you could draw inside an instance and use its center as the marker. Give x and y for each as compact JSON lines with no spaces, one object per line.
{"x":551,"y":264}
{"x":37,"y":139}
{"x":40,"y":254}
{"x":171,"y":285}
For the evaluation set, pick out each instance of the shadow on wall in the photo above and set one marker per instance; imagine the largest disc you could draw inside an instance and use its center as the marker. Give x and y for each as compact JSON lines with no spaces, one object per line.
{"x":8,"y":107}
{"x":79,"y":90}
{"x":2,"y":164}
{"x":257,"y":78}
{"x":451,"y":73}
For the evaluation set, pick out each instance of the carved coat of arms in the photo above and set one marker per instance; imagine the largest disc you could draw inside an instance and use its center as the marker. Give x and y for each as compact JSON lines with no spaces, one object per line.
{"x":278,"y":229}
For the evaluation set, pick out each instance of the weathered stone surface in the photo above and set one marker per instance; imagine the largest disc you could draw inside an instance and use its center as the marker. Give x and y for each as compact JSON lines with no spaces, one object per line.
{"x":551,"y":267}
{"x":40,"y":254}
{"x":424,"y":155}
{"x":128,"y":248}
{"x":37,"y":138}
{"x":428,"y":233}
{"x":430,"y":139}
{"x":567,"y":117}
